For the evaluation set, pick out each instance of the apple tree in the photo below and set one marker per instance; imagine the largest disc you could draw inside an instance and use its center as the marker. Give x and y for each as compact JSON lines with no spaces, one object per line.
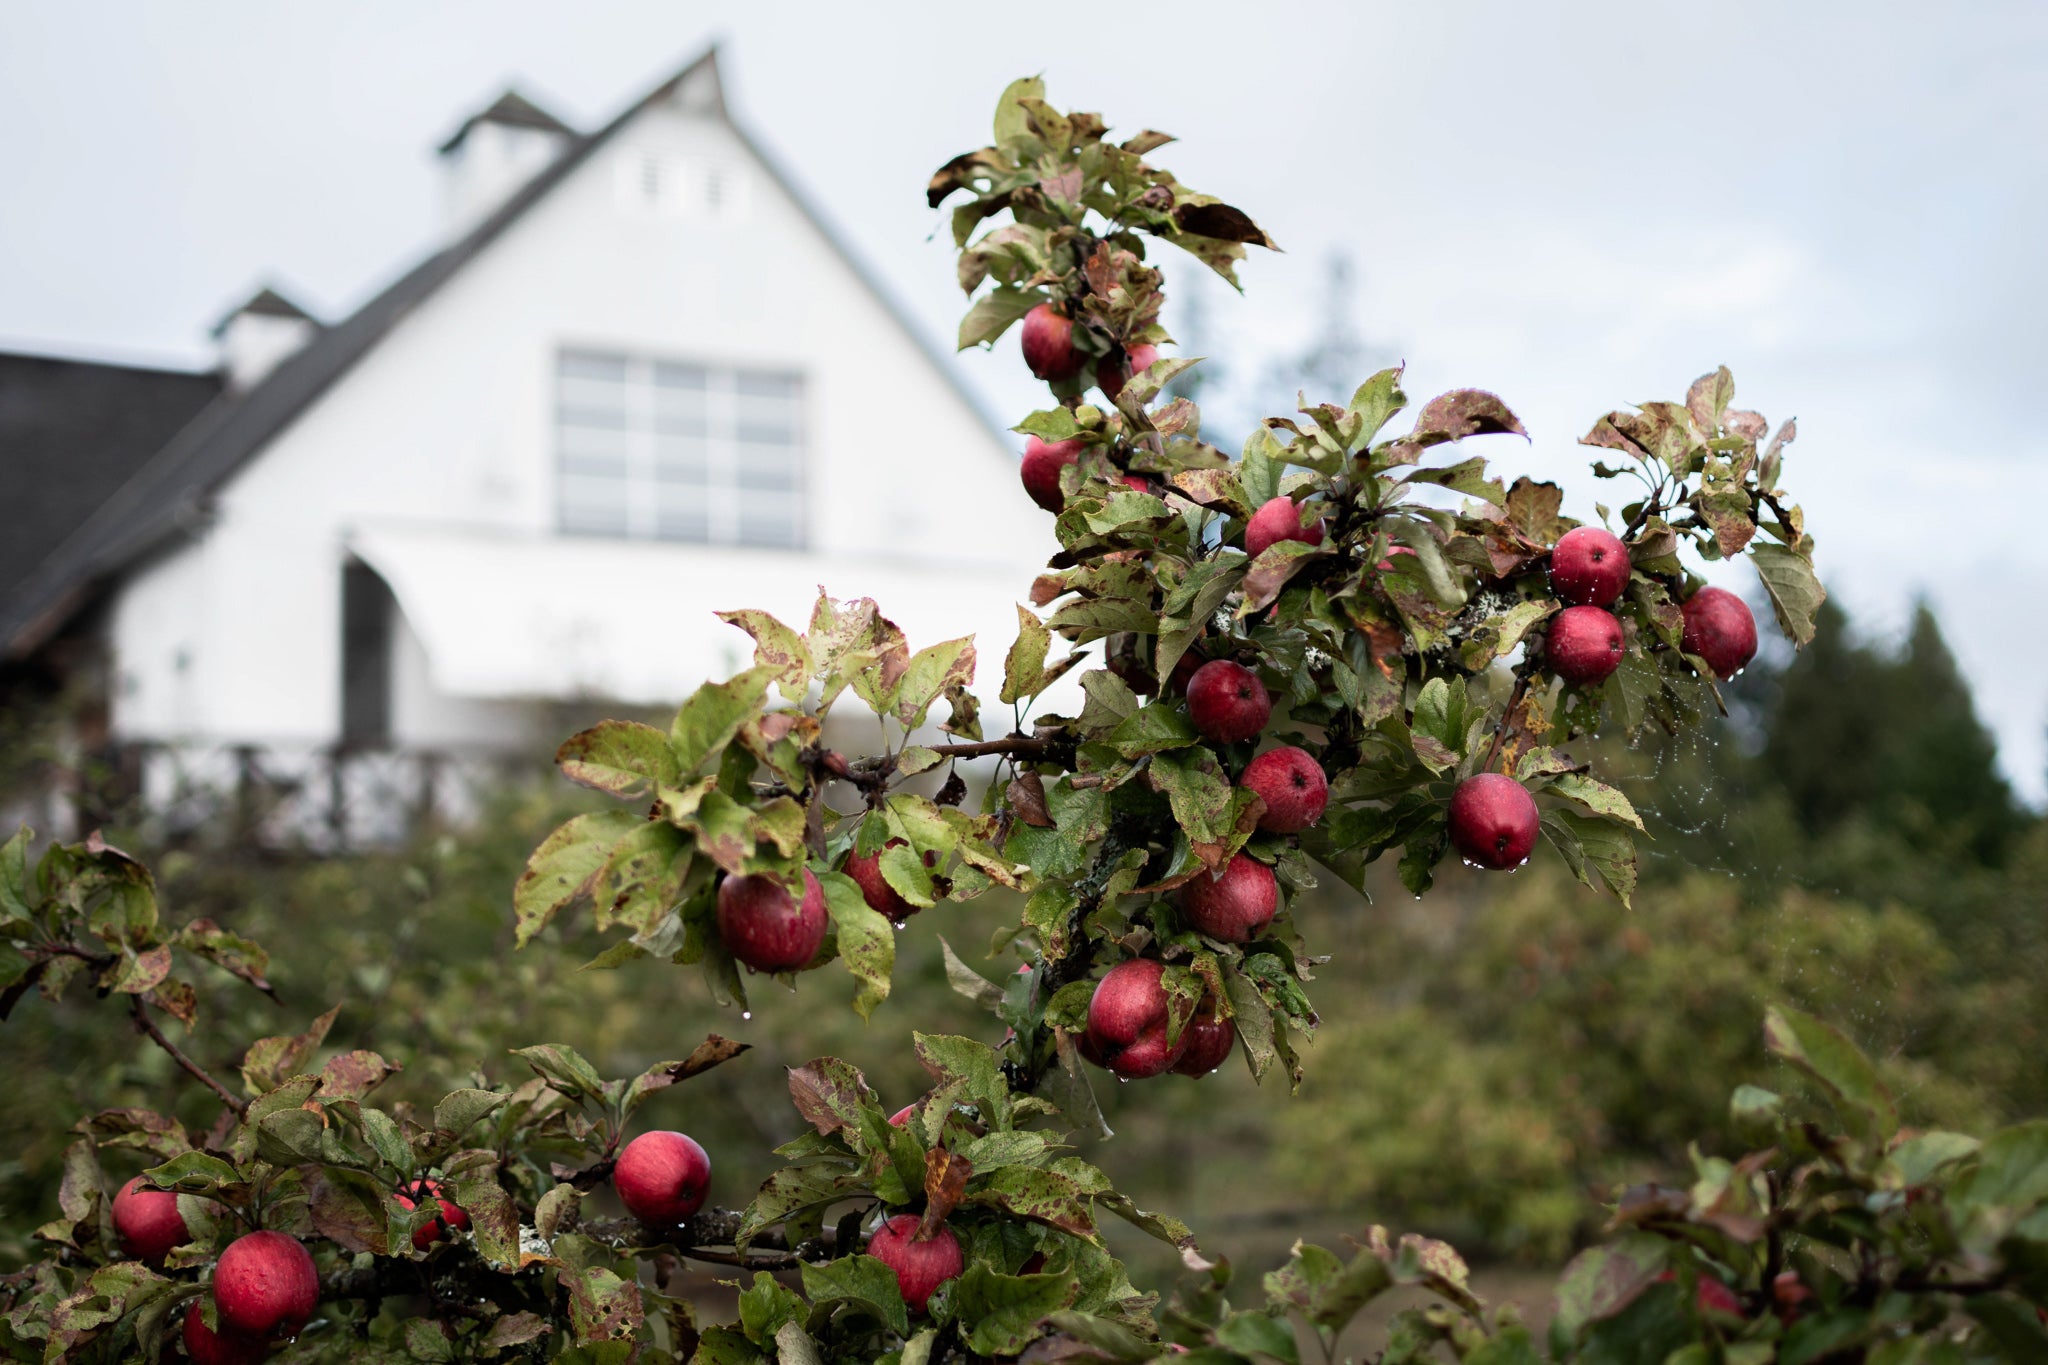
{"x":1238,"y":673}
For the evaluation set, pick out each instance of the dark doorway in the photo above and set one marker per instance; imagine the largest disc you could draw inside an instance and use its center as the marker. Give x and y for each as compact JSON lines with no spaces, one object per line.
{"x":367,"y":611}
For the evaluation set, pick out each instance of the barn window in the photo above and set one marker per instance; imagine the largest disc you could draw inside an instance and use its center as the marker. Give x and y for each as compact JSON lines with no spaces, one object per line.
{"x":652,"y":449}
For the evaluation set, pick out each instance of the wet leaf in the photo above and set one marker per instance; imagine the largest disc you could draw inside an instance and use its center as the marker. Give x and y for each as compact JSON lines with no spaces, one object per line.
{"x":270,"y":1060}
{"x":619,"y":756}
{"x":777,"y":647}
{"x":1796,"y":594}
{"x":562,"y":869}
{"x":1823,"y":1052}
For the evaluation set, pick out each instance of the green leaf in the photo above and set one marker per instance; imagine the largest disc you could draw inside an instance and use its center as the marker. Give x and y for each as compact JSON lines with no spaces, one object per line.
{"x":967,"y":982}
{"x":193,"y":1173}
{"x":564,"y":1068}
{"x":1040,"y":1195}
{"x":352,"y":1210}
{"x":1597,"y":797}
{"x":867,"y":942}
{"x":1375,"y":403}
{"x":1822,"y":1051}
{"x":1590,"y":845}
{"x":618,"y":756}
{"x":930,"y":672}
{"x":1795,"y":593}
{"x":493,"y":1219}
{"x":642,"y":878}
{"x":766,"y":1305}
{"x":2011,"y":1172}
{"x":776,"y":647}
{"x":947,"y":1058}
{"x":1467,"y":477}
{"x":1603,"y":1280}
{"x":16,"y":909}
{"x":1024,"y":665}
{"x":861,"y":1280}
{"x":1051,"y":425}
{"x":1153,"y":728}
{"x":563,"y":867}
{"x":1443,"y":717}
{"x":1200,"y":795}
{"x":602,"y":1307}
{"x":461,"y":1110}
{"x":994,"y":312}
{"x":270,"y":1060}
{"x":1258,"y":1336}
{"x":1271,"y":571}
{"x":1001,"y":1313}
{"x":707,"y":722}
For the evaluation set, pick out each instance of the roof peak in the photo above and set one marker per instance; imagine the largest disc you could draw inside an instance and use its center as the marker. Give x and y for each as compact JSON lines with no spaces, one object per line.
{"x":513,"y":110}
{"x":265,"y":302}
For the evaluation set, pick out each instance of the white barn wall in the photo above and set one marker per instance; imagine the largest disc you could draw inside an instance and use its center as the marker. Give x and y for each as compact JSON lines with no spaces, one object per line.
{"x":449,"y":420}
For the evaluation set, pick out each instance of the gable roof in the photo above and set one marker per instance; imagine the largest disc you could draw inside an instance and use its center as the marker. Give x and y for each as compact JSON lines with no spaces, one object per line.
{"x":73,"y":431}
{"x":169,"y":492}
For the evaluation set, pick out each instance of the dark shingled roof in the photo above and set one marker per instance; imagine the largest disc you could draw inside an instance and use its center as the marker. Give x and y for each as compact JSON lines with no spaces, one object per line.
{"x":170,"y":492}
{"x":514,"y":109}
{"x":73,"y":431}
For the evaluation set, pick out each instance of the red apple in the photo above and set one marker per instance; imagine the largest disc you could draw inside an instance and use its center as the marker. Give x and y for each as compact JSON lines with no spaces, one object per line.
{"x":1114,"y":371}
{"x":763,"y":926}
{"x":921,"y":1267}
{"x":147,"y":1221}
{"x":1388,"y":562}
{"x":1584,"y":645}
{"x":265,"y":1286}
{"x":1043,"y":461}
{"x":1208,"y":1039}
{"x":1127,"y":1021}
{"x":1279,"y":519}
{"x":451,"y":1214}
{"x":1227,"y":702}
{"x":661,"y":1178}
{"x":1292,"y":785}
{"x":874,"y":887}
{"x":1235,"y":907}
{"x":1589,"y":567}
{"x":1719,"y":629}
{"x":1048,"y":338}
{"x":1493,"y":821}
{"x":204,"y":1346}
{"x":1136,"y":484}
{"x":1714,"y":1297}
{"x":902,"y":1116}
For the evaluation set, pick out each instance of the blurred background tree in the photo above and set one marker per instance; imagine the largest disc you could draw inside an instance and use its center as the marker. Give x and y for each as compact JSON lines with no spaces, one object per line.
{"x":1495,"y":1060}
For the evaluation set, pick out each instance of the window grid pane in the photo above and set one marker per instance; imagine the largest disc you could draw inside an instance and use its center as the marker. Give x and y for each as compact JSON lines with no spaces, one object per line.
{"x":666,"y":450}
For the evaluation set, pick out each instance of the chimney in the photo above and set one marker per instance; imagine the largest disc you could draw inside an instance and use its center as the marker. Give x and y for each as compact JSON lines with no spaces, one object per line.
{"x":259,"y":336}
{"x":494,"y":153}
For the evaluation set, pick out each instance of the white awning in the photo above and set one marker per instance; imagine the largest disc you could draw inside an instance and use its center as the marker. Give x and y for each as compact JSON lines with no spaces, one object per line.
{"x":510,"y":616}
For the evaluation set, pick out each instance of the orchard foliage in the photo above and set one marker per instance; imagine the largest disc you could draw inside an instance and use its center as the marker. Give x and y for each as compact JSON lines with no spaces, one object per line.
{"x":1347,"y":588}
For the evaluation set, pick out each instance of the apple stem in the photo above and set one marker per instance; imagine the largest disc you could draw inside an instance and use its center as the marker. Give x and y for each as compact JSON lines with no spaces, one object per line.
{"x":147,"y":1027}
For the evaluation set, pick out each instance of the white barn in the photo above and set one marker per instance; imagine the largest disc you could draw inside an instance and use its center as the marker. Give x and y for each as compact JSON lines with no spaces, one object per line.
{"x":640,"y":382}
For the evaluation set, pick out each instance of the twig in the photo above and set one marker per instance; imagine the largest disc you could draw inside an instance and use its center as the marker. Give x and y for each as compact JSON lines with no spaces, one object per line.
{"x":147,"y":1027}
{"x":1507,"y":719}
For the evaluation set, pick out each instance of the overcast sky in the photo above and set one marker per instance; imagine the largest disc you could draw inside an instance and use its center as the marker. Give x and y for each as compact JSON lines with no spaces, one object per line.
{"x":1574,"y":205}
